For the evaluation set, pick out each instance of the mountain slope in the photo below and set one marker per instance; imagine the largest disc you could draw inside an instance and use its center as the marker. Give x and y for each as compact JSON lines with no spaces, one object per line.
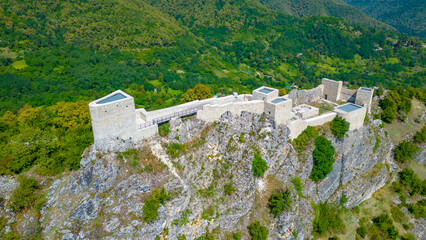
{"x":408,"y":16}
{"x":102,"y":25}
{"x":335,"y":8}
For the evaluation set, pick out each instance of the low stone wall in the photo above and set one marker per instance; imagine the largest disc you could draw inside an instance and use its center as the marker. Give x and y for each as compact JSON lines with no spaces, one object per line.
{"x":212,"y":113}
{"x":296,"y":127}
{"x":147,"y":132}
{"x":348,"y":95}
{"x":149,"y":116}
{"x":305,"y":96}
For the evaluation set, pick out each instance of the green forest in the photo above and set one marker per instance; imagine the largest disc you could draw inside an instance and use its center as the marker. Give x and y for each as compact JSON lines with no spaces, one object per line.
{"x":68,"y":51}
{"x":408,"y":16}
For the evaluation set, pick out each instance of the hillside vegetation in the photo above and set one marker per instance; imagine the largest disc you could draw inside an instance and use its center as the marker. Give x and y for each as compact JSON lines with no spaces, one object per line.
{"x":334,"y":8}
{"x":408,"y":16}
{"x":69,"y":51}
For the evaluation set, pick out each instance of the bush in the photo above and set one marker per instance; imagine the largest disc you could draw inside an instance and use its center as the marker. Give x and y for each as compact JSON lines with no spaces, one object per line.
{"x":327,"y":220}
{"x":259,"y":166}
{"x":408,"y":178}
{"x":343,"y":199}
{"x":420,"y":137}
{"x":339,"y":127}
{"x":151,"y":204}
{"x":258,"y":232}
{"x":298,"y":184}
{"x":229,"y":188}
{"x":164,"y":129}
{"x":279,"y":202}
{"x":24,"y":196}
{"x":418,"y":209}
{"x":323,"y":159}
{"x":302,"y":141}
{"x":405,"y":151}
{"x":385,"y":224}
{"x":361,"y":231}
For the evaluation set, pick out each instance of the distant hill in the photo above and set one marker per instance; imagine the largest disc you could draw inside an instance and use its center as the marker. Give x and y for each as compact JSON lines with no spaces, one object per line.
{"x":102,"y":25}
{"x":335,"y":8}
{"x":69,"y":50}
{"x":408,"y":16}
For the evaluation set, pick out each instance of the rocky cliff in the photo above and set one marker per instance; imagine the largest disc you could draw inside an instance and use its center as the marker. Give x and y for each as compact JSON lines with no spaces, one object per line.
{"x":105,"y":197}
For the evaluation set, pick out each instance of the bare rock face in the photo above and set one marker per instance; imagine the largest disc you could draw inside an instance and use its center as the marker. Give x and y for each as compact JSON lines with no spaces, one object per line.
{"x":105,"y":197}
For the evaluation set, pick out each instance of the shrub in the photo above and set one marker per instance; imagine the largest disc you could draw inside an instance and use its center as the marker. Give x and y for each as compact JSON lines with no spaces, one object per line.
{"x":420,"y":137}
{"x":404,"y":151}
{"x":24,"y":196}
{"x":408,"y":178}
{"x":258,"y":232}
{"x":164,"y":129}
{"x":418,"y":209}
{"x":339,"y":127}
{"x":229,"y":188}
{"x":302,"y":141}
{"x":279,"y":202}
{"x":385,"y":224}
{"x":361,"y":231}
{"x":151,"y":204}
{"x":207,"y":213}
{"x":259,"y":166}
{"x":298,"y":184}
{"x":327,"y":219}
{"x":343,"y":199}
{"x":408,"y":236}
{"x":323,"y":159}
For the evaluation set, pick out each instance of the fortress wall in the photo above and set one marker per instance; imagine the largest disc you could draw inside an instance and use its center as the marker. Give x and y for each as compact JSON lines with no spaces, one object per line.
{"x":305,"y":96}
{"x":348,"y":95}
{"x":149,"y":116}
{"x":332,"y":89}
{"x":296,"y":127}
{"x":212,"y":113}
{"x":146,"y":132}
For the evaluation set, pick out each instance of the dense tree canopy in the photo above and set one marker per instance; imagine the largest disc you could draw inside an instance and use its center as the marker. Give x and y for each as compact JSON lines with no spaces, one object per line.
{"x":323,"y":158}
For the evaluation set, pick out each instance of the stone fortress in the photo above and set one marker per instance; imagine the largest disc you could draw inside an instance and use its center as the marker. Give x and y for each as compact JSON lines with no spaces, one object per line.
{"x":115,"y":119}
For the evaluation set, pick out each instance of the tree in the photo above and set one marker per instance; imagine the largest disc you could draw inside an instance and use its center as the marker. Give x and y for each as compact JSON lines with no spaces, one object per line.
{"x":339,"y":127}
{"x":405,"y":151}
{"x":202,"y":91}
{"x":323,"y":158}
{"x":258,"y":232}
{"x":189,"y":95}
{"x":24,"y":196}
{"x":420,"y":136}
{"x":279,"y":202}
{"x":259,"y":166}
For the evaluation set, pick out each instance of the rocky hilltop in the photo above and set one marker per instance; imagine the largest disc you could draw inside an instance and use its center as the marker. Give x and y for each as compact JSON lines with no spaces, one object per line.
{"x":195,"y":163}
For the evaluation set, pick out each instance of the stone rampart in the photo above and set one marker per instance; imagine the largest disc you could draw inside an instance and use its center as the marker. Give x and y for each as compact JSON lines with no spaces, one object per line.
{"x":149,"y":116}
{"x":348,"y":95}
{"x":211,"y":113}
{"x":296,"y":127}
{"x":305,"y":96}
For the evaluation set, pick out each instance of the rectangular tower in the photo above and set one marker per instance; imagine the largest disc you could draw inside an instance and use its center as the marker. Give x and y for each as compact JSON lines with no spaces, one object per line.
{"x":113,"y":119}
{"x":332,"y":89}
